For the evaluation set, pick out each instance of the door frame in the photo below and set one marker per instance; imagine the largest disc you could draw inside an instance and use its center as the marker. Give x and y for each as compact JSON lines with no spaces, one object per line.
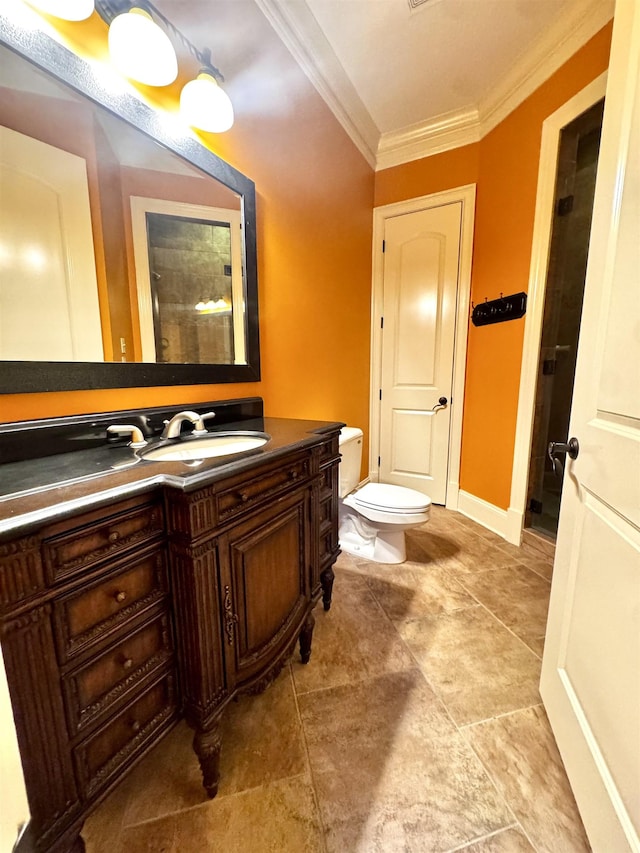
{"x":536,"y":292}
{"x":467,"y":196}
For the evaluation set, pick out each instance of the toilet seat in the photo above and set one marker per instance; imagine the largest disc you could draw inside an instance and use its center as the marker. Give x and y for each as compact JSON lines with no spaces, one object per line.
{"x":383,"y":497}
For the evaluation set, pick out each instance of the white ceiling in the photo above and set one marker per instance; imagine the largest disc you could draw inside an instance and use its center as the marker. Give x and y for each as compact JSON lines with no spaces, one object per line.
{"x":411,"y":77}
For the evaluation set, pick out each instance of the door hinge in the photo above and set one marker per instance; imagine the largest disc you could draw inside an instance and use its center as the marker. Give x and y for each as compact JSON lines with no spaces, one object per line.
{"x":384,"y":243}
{"x":382,"y":322}
{"x":565,"y":205}
{"x":535,"y":506}
{"x":378,"y":461}
{"x":380,"y":394}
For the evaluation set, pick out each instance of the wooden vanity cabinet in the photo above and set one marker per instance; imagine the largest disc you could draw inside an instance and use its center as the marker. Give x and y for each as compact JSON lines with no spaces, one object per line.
{"x":87,"y":641}
{"x":116,"y":622}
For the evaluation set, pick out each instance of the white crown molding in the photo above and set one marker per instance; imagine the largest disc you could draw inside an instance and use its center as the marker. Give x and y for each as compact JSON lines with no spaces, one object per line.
{"x":298,"y":29}
{"x":447,"y":131}
{"x":548,"y":54}
{"x":301,"y":34}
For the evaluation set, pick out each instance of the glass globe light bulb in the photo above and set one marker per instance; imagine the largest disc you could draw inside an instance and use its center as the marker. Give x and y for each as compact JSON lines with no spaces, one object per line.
{"x":203,"y":104}
{"x":141,"y":50}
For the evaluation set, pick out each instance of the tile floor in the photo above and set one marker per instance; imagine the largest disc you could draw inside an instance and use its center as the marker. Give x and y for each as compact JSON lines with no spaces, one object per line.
{"x":416,"y":727}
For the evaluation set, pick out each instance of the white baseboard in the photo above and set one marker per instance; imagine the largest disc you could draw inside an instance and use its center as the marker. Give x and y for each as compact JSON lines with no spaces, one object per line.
{"x":506,"y":523}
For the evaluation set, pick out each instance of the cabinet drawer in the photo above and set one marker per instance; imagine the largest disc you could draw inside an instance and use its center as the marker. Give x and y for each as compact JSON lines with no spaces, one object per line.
{"x":103,"y":753}
{"x":329,"y":449}
{"x":97,"y":611}
{"x":77,"y":549}
{"x":245,"y":493}
{"x":96,"y":686}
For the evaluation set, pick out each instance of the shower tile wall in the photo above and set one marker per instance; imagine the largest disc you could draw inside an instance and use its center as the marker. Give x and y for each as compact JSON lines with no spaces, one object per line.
{"x":187,"y":260}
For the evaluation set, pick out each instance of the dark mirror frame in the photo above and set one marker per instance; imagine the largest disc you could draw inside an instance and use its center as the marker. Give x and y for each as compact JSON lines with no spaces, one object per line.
{"x":18,"y":377}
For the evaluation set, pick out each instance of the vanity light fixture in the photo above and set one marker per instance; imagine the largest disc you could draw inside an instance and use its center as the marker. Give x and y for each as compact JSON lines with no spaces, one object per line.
{"x":138,"y":44}
{"x":68,"y":10}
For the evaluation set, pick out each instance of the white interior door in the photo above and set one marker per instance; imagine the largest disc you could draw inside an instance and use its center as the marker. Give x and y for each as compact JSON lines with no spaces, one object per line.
{"x":49,"y":307}
{"x":421,"y":269}
{"x":591,"y":667}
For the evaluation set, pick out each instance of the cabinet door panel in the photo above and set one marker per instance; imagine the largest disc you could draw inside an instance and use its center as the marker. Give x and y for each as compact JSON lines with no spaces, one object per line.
{"x":268,"y":559}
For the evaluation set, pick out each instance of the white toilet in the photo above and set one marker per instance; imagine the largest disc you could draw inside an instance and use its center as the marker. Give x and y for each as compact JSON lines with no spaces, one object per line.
{"x":373,"y":519}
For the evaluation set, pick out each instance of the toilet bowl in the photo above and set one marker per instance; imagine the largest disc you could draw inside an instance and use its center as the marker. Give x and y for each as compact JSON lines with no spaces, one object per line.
{"x":373,"y":518}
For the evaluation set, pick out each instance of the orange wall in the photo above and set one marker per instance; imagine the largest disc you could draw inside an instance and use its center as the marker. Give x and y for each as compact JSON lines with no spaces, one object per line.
{"x":315,"y":196}
{"x":504,"y":165}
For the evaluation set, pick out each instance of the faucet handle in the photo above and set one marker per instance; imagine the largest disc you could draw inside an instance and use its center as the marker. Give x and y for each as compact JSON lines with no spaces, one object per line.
{"x":137,"y":438}
{"x":199,"y":427}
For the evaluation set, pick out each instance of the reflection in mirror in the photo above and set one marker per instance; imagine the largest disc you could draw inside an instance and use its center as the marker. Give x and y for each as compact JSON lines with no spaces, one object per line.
{"x":114,"y":248}
{"x":49,"y":134}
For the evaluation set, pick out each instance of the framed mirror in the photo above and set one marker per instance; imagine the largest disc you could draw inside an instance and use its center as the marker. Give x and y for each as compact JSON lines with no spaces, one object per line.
{"x":128,"y":255}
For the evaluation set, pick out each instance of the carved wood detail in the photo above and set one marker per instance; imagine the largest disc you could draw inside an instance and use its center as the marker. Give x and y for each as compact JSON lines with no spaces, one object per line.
{"x":230,"y":618}
{"x":207,"y":744}
{"x":21,"y":574}
{"x":110,"y":698}
{"x":151,"y":525}
{"x":197,"y":602}
{"x":97,"y":780}
{"x":32,"y":674}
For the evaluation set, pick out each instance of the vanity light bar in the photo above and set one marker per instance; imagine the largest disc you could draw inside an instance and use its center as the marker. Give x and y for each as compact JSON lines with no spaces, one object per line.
{"x":134,"y":25}
{"x":110,"y":9}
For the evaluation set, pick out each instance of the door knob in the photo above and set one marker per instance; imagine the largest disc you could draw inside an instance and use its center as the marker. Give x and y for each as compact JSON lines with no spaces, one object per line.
{"x":441,"y":404}
{"x":571,"y":448}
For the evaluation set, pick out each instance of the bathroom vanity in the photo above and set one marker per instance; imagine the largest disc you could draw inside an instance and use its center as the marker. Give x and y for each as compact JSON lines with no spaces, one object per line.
{"x":143,"y":592}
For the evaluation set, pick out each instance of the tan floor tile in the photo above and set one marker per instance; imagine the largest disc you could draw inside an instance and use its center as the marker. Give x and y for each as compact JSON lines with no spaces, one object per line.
{"x":540,"y":565}
{"x":481,"y":556}
{"x":102,"y":829}
{"x":261,"y":742}
{"x":412,"y":590}
{"x":537,"y":542}
{"x":477,"y":667}
{"x":391,"y":771}
{"x":262,"y":739}
{"x":352,"y":641}
{"x":277,"y":818}
{"x":166,"y":780}
{"x":520,"y":753}
{"x":536,"y":644}
{"x":512,"y":840}
{"x":516,"y":596}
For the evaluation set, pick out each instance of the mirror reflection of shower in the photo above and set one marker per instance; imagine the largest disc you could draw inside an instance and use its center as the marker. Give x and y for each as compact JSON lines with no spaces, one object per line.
{"x":190,"y":265}
{"x":190,"y":282}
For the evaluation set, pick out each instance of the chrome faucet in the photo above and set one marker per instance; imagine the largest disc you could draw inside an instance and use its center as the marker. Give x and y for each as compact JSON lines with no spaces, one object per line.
{"x":172,"y":427}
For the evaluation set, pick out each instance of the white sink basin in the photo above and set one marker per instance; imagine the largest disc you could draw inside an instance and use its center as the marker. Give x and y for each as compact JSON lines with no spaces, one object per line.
{"x":223,"y":444}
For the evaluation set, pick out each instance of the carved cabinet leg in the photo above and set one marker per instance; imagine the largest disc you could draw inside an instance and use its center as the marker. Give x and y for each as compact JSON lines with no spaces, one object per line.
{"x":326,"y":579}
{"x":306,"y":636}
{"x":206,"y":745}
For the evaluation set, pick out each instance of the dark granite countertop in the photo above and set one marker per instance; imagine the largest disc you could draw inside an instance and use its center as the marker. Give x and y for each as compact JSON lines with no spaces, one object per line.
{"x":38,"y":491}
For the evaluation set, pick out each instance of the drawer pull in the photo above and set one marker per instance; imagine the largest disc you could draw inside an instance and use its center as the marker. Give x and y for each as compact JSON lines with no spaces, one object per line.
{"x":244,"y":497}
{"x":135,"y":726}
{"x":293,"y":475}
{"x":120,"y":596}
{"x":127,"y":663}
{"x":114,"y":536}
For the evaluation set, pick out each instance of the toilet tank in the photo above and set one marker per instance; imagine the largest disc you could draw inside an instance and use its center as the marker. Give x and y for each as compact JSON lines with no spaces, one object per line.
{"x":351,"y":452}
